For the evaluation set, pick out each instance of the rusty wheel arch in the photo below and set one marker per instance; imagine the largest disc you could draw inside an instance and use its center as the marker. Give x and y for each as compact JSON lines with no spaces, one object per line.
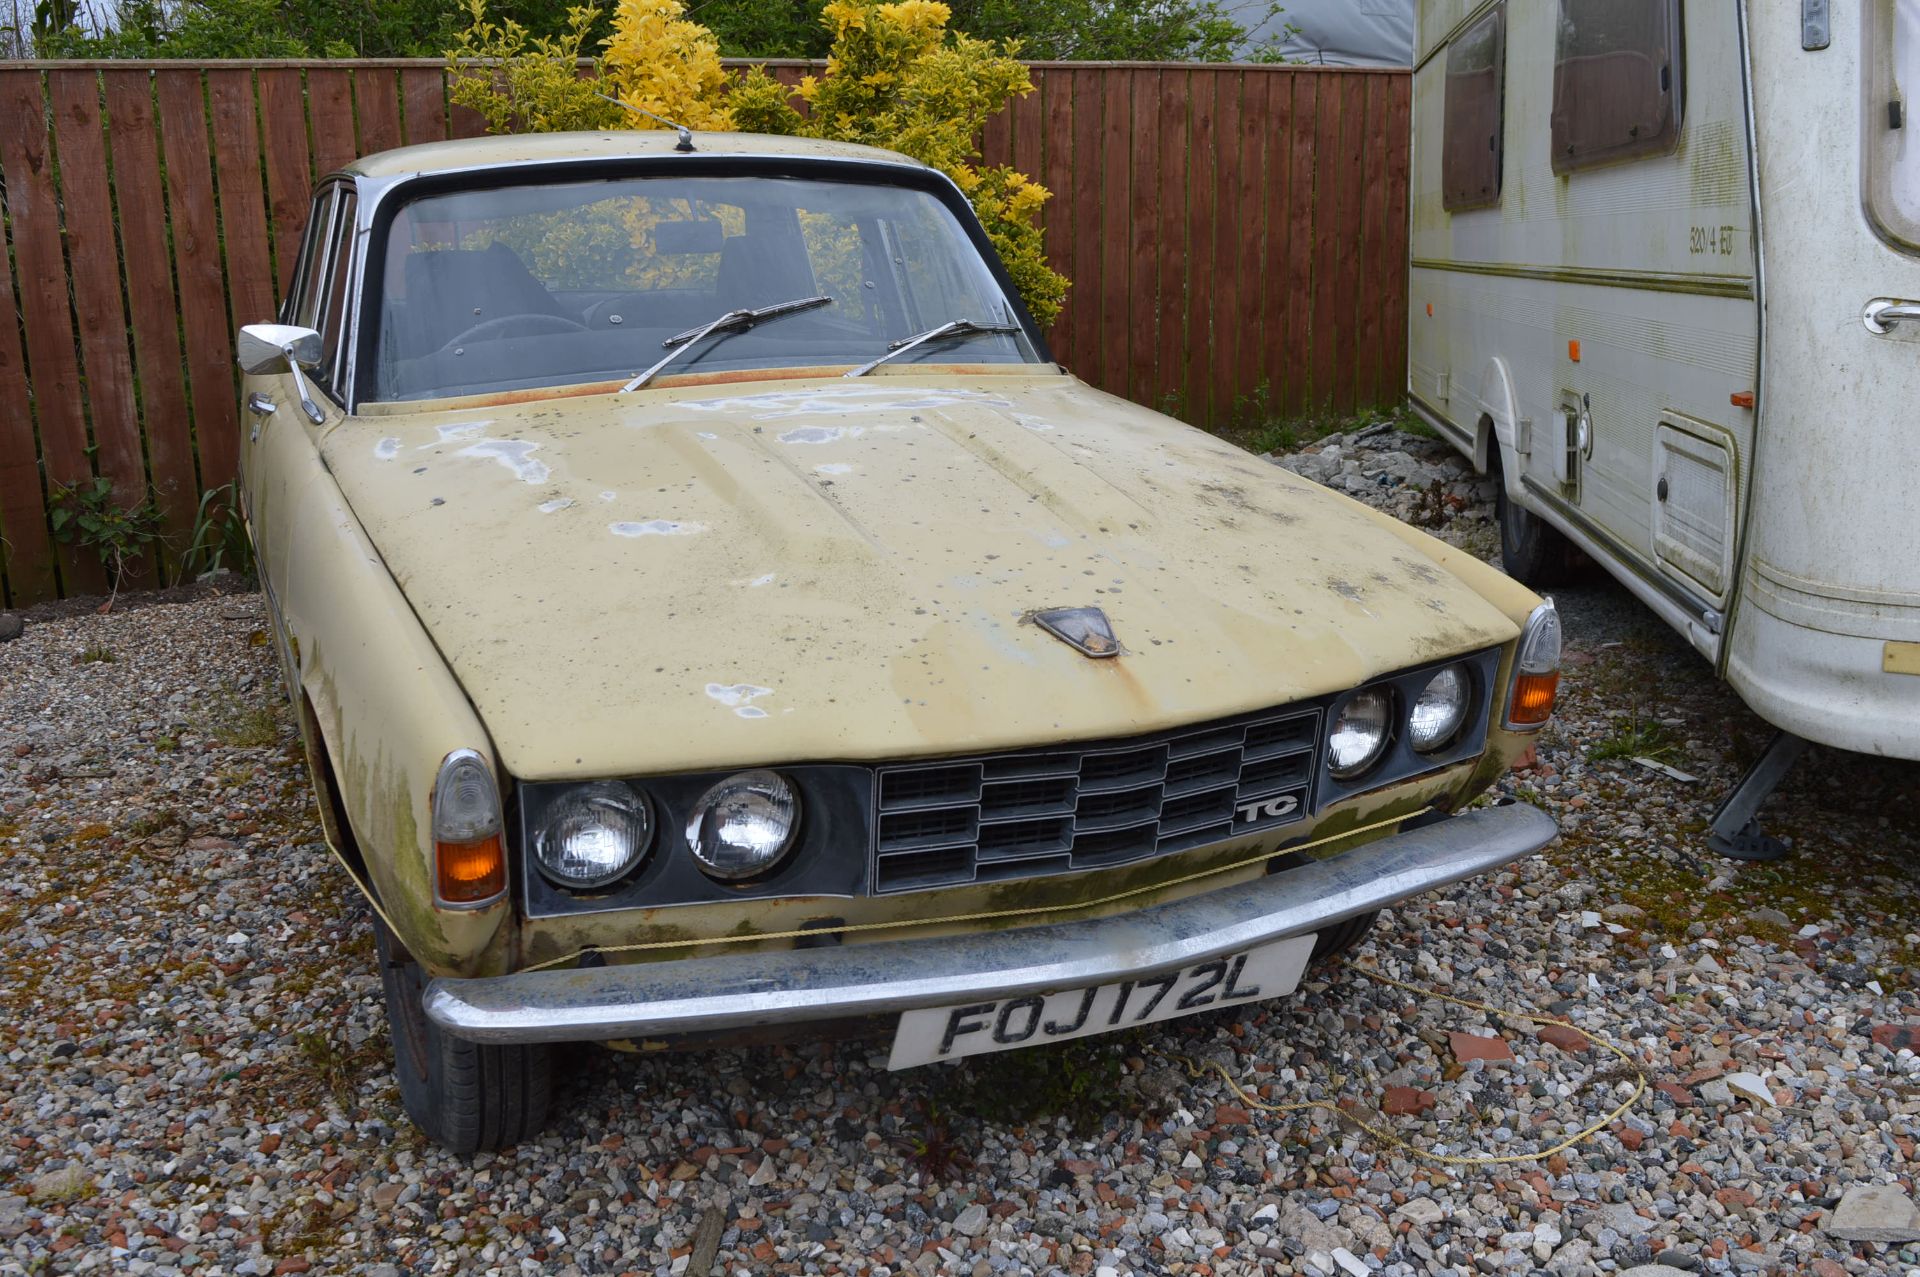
{"x":334,"y":825}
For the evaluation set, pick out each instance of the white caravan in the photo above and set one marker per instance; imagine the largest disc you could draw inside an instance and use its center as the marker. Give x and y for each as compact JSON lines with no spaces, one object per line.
{"x":1666,"y":285}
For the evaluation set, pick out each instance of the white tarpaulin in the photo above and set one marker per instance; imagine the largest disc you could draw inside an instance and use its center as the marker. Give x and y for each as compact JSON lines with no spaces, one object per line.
{"x":1332,"y":32}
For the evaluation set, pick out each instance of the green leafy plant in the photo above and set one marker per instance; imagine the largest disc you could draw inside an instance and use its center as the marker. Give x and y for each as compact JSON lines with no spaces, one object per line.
{"x":86,"y":517}
{"x":898,"y":77}
{"x":233,"y":721}
{"x":218,"y":541}
{"x":1636,"y":737}
{"x":521,"y":81}
{"x":96,"y":654}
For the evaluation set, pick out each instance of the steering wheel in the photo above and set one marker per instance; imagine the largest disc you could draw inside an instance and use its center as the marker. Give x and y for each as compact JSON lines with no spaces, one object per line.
{"x":532,"y":321}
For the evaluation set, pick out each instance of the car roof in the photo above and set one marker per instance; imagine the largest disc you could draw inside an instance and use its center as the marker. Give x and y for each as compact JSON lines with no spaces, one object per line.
{"x":535,"y":148}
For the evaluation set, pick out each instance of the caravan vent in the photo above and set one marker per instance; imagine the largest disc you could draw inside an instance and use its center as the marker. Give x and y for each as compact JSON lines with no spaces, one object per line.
{"x":1693,"y":508}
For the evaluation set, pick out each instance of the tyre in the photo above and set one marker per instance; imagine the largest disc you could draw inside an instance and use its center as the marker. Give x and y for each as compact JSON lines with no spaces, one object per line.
{"x":463,"y":1095}
{"x":1342,"y":937}
{"x":1532,"y":551}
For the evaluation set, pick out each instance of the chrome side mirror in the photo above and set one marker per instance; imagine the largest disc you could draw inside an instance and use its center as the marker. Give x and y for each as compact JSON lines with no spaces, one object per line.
{"x":270,"y":348}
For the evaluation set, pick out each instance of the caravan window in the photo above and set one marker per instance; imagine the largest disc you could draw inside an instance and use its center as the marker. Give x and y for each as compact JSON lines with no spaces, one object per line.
{"x":1475,"y":114}
{"x":1616,"y":81}
{"x":1893,"y":151}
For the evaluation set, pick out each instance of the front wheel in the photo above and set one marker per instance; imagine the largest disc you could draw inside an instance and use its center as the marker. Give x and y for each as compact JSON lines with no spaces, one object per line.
{"x":463,"y":1095}
{"x":1532,"y":551}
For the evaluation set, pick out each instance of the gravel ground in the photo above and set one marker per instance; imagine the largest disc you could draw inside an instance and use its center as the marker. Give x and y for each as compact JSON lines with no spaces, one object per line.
{"x":196,"y":1073}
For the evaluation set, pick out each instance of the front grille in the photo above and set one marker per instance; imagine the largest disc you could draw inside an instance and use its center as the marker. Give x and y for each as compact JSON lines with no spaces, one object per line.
{"x":1024,"y":815}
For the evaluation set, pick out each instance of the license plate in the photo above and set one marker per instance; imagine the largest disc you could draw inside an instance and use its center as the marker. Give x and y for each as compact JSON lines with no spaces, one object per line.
{"x":933,"y":1034}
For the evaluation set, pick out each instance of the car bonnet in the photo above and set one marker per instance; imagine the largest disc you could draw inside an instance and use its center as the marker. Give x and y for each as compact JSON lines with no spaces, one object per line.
{"x":824,"y":570}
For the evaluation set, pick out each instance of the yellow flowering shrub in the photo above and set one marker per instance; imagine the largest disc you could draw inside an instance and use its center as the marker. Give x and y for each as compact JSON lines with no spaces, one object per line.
{"x":659,"y":61}
{"x":896,"y":77}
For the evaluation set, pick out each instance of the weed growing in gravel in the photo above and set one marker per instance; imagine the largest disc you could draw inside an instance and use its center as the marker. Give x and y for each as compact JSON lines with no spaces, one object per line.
{"x":166,"y":744}
{"x":1637,"y":738}
{"x":933,"y":1149}
{"x":299,"y":1228}
{"x":233,"y":721}
{"x":219,"y":540}
{"x":95,"y":654}
{"x":337,"y":1068}
{"x":153,"y":822}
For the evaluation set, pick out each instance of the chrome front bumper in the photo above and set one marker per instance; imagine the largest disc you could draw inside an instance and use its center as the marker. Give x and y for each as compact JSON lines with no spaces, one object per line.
{"x":748,"y":990}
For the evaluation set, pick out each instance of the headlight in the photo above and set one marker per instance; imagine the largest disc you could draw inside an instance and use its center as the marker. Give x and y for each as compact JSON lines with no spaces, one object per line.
{"x":741,"y":827}
{"x":593,"y":835}
{"x":1360,"y":732}
{"x":1440,"y":709}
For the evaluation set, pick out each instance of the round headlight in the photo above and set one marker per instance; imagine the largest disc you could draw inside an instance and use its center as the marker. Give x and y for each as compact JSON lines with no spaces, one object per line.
{"x":593,"y":835}
{"x":1360,"y":732}
{"x":741,"y":827}
{"x":1439,"y":710}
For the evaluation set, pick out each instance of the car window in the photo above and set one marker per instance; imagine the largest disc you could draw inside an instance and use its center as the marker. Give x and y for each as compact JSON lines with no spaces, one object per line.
{"x":578,"y":282}
{"x":333,"y":312}
{"x":289,"y":308}
{"x":1474,"y":114}
{"x":1616,"y":81}
{"x":1893,"y":157}
{"x":308,"y":288}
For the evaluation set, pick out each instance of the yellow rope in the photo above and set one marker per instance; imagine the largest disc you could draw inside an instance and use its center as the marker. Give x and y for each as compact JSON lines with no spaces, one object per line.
{"x":1195,"y":1069}
{"x":987,"y":915}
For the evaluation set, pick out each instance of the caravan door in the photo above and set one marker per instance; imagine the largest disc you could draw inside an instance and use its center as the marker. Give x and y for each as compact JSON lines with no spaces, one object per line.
{"x":1827,"y":628}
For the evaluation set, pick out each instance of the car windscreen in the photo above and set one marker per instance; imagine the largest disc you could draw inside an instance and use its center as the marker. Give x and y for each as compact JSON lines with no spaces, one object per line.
{"x":586,"y":281}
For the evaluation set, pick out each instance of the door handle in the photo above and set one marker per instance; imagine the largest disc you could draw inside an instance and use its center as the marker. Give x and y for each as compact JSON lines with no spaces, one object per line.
{"x":1883,"y":314}
{"x":261,"y":407}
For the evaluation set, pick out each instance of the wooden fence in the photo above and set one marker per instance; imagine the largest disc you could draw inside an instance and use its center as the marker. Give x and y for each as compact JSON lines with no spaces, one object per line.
{"x":1235,"y":235}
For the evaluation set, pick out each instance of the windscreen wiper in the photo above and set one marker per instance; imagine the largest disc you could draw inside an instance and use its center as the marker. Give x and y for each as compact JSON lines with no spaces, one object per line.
{"x":952,"y":328}
{"x":734,"y":321}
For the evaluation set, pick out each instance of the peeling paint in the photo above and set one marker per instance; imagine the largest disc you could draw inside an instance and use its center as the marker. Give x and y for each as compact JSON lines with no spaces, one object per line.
{"x":739,"y":697}
{"x":655,"y":528}
{"x":821,"y":434}
{"x":387,"y":449}
{"x":833,"y":467}
{"x":458,"y":431}
{"x":559,"y":503}
{"x":516,"y":455}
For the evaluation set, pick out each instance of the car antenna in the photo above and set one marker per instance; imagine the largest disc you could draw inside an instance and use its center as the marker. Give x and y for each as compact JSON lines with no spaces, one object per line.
{"x":686,"y":134}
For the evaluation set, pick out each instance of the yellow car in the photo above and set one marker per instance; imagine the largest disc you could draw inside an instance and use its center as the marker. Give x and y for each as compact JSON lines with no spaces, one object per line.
{"x":710,"y":610}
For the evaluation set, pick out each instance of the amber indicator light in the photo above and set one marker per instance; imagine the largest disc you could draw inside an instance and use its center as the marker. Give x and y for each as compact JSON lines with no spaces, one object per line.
{"x":471,"y":871}
{"x":1741,"y":399}
{"x":1533,"y":696}
{"x":1573,"y":351}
